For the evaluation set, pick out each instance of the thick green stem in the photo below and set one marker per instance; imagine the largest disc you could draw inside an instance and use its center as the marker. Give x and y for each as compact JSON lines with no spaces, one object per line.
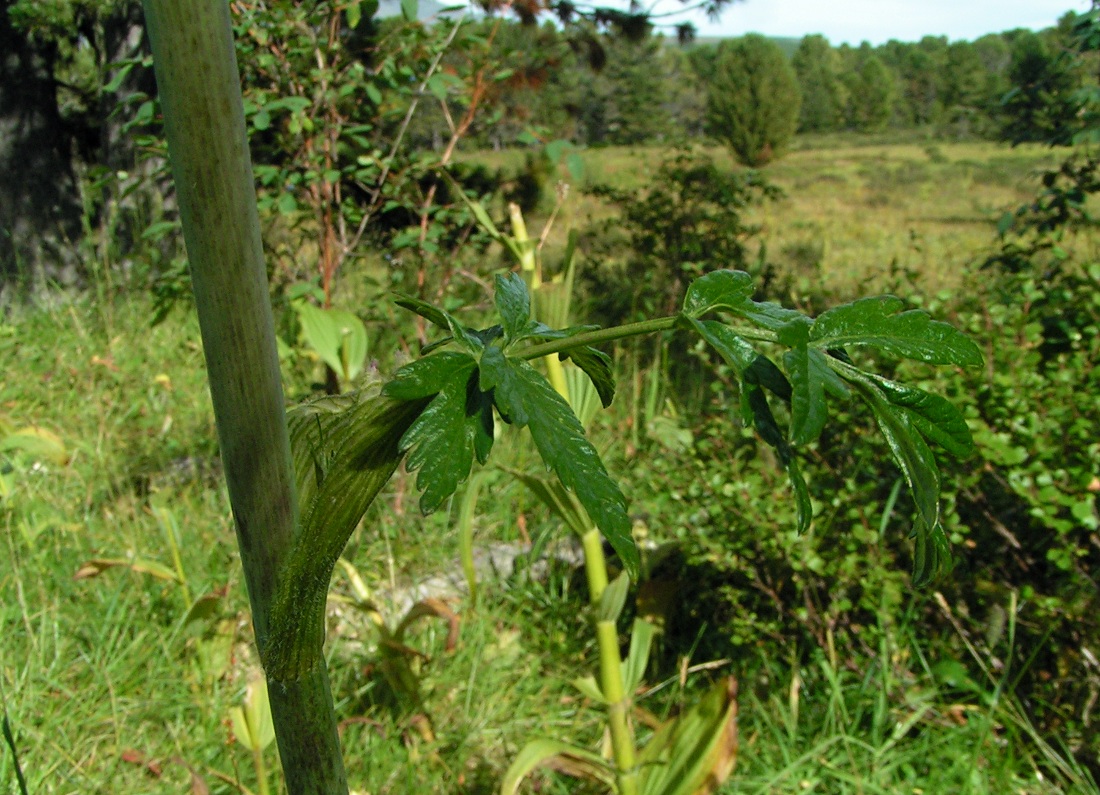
{"x":611,"y":669}
{"x":199,"y":89}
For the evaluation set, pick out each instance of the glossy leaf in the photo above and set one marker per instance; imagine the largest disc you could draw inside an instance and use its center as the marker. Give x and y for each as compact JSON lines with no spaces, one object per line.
{"x":934,"y":416}
{"x":880,"y":323}
{"x":918,"y":465}
{"x":722,"y":289}
{"x":513,"y":303}
{"x":808,"y":371}
{"x":767,"y":315}
{"x":597,"y":366}
{"x":468,"y":339}
{"x":524,"y":397}
{"x":425,"y":377}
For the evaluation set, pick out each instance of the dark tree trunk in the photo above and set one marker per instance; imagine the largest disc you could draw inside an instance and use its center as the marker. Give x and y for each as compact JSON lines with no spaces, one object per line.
{"x":40,"y":209}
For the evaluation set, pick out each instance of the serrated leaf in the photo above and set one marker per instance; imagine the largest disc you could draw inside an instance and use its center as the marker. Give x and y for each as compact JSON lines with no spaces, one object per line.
{"x":569,"y":759}
{"x":425,"y":377}
{"x":456,"y":426}
{"x":513,"y":303}
{"x":597,"y":366}
{"x":722,"y":289}
{"x":918,"y":465}
{"x":524,"y":397}
{"x":934,"y":416}
{"x":464,"y":336}
{"x":880,"y":323}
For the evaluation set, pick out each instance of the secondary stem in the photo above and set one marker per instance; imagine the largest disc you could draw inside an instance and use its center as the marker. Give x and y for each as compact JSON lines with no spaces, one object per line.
{"x":600,"y":336}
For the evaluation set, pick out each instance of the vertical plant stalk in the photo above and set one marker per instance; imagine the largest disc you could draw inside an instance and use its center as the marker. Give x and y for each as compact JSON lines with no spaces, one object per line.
{"x":199,"y":88}
{"x":611,"y":669}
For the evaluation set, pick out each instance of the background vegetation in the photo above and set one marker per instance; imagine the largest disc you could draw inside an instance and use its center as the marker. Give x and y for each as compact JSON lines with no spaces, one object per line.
{"x":126,"y":639}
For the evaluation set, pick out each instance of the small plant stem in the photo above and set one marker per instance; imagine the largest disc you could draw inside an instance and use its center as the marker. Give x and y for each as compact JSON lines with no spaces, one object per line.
{"x":261,"y":771}
{"x":600,"y":336}
{"x":611,"y":668}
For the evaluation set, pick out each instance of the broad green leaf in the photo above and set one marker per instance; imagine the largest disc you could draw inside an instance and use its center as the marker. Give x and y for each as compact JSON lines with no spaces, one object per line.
{"x":717,"y":290}
{"x":597,"y":366}
{"x":338,"y":337}
{"x":918,"y":465}
{"x":880,"y":323}
{"x":513,"y":303}
{"x":524,"y":397}
{"x":456,"y":426}
{"x":569,"y":759}
{"x":409,"y":10}
{"x":425,"y":377}
{"x":694,"y":753}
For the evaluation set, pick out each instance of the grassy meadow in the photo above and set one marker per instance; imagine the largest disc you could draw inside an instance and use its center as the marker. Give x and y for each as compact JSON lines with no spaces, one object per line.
{"x":125,"y":640}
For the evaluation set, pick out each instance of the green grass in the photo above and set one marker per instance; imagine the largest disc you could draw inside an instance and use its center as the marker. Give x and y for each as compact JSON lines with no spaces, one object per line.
{"x":109,"y":687}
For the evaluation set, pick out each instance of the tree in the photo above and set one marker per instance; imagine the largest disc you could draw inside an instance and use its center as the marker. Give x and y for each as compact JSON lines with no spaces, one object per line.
{"x":752,"y":99}
{"x":870,"y":92}
{"x":1041,"y":105}
{"x":823,"y":94}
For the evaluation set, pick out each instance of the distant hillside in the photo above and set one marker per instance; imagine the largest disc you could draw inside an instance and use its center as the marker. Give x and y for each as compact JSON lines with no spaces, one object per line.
{"x":786,"y":43}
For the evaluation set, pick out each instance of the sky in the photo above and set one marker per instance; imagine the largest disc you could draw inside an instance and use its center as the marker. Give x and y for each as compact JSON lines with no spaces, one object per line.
{"x":878,"y":21}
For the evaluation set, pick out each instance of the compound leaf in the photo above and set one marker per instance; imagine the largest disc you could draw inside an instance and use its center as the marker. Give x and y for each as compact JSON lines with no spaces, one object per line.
{"x":455,"y":426}
{"x":880,"y":323}
{"x":524,"y":397}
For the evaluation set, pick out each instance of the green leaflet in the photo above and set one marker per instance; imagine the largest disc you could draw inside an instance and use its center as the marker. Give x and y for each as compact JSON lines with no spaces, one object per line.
{"x":424,"y":377}
{"x":768,"y":315}
{"x":524,"y":397}
{"x":455,"y":427}
{"x":808,"y":372}
{"x":930,"y":552}
{"x":513,"y":302}
{"x":878,"y":322}
{"x":717,"y":290}
{"x":597,"y":366}
{"x":934,"y":416}
{"x":469,"y":340}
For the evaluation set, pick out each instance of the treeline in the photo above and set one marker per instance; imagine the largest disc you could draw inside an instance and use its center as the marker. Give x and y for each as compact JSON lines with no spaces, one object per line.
{"x":1017,"y":85}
